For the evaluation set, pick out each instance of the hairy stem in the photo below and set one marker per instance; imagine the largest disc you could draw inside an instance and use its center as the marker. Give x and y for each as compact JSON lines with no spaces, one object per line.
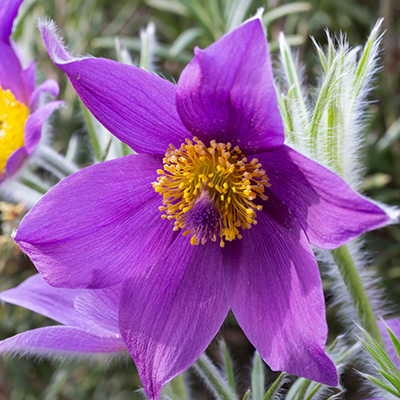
{"x":357,"y":292}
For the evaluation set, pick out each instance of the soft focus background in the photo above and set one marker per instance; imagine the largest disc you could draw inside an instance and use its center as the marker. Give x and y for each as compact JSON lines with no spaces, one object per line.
{"x":92,"y":26}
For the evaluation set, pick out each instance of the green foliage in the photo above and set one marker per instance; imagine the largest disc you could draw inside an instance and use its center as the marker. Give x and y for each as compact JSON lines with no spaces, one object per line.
{"x":387,"y":375}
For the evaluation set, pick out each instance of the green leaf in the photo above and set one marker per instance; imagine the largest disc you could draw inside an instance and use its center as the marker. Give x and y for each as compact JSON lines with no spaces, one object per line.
{"x":368,"y":56}
{"x":91,"y":131}
{"x":286,"y":9}
{"x":257,"y":378}
{"x":213,"y":378}
{"x":177,"y":388}
{"x":382,"y":385}
{"x":274,"y":387}
{"x":246,"y":395}
{"x":235,"y":12}
{"x":186,"y":38}
{"x":379,"y":353}
{"x":293,"y":79}
{"x":323,"y":99}
{"x":162,"y":51}
{"x":171,"y":6}
{"x":395,"y":382}
{"x":228,"y":368}
{"x":314,"y":391}
{"x":395,"y":341}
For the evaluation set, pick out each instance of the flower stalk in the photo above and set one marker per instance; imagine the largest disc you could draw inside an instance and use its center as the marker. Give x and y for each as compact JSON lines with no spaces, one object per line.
{"x":205,"y":368}
{"x":178,"y":387}
{"x":357,"y":291}
{"x":54,"y":162}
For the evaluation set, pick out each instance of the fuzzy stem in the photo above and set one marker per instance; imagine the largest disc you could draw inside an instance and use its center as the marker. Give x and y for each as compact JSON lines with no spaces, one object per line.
{"x":315,"y":390}
{"x":205,"y":368}
{"x":91,"y":130}
{"x":357,"y":292}
{"x":303,"y":390}
{"x":178,"y":386}
{"x":274,"y":387}
{"x":48,"y":155}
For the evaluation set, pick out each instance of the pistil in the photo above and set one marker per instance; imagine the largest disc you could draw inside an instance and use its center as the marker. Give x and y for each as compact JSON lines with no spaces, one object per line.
{"x":209,"y":192}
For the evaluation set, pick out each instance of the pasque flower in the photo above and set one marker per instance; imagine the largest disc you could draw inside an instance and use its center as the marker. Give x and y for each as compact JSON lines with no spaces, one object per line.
{"x":21,"y":118}
{"x":214,"y":213}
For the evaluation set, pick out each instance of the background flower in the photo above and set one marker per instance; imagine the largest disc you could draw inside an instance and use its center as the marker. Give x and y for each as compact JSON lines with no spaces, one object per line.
{"x":21,"y":116}
{"x":89,"y":321}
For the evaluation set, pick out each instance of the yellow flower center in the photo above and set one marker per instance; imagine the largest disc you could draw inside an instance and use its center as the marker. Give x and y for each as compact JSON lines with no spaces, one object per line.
{"x":210,"y":191}
{"x":13,"y":115}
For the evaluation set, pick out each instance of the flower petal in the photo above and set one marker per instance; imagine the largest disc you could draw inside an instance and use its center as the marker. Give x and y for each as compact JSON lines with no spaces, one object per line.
{"x":34,"y":124}
{"x":134,"y":105}
{"x":29,"y":79}
{"x":15,"y":160}
{"x":275,"y":292}
{"x":11,"y":75}
{"x":101,"y":306}
{"x":170,"y":314}
{"x":58,"y":304}
{"x":99,"y":226}
{"x":50,"y":86}
{"x":329,"y":211}
{"x":8,"y":13}
{"x":53,"y":341}
{"x":227,"y":93}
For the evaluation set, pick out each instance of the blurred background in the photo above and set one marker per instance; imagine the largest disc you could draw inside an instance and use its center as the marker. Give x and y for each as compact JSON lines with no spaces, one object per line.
{"x":112,"y":29}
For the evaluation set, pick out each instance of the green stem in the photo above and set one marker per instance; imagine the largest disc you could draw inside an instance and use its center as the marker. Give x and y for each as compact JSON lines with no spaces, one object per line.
{"x":178,"y":387}
{"x":315,"y":390}
{"x":274,"y":387}
{"x":55,"y":162}
{"x":303,"y":390}
{"x":213,"y":378}
{"x":357,"y":292}
{"x":106,"y":150}
{"x":228,"y":368}
{"x":91,"y":131}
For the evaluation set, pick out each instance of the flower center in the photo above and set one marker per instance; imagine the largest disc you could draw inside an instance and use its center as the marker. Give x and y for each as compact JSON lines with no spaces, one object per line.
{"x":209,"y":191}
{"x":13,"y":115}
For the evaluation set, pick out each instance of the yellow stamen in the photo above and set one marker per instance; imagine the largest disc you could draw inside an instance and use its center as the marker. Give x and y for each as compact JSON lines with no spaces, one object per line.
{"x":219,"y":176}
{"x":13,"y":115}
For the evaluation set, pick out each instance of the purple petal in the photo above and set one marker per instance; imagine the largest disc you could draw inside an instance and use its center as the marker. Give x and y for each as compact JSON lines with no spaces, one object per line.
{"x":170,"y":314}
{"x":50,"y":86}
{"x":226,"y":92}
{"x":16,"y":160}
{"x":8,"y":12}
{"x":29,"y":79}
{"x":11,"y":75}
{"x":101,"y":306}
{"x":275,"y":292}
{"x":328,"y":210}
{"x":34,"y":124}
{"x":136,"y":106}
{"x":98,"y":226}
{"x":58,"y":304}
{"x":53,"y":341}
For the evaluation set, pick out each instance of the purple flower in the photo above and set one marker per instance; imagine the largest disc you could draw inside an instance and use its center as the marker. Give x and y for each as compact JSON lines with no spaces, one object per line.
{"x":89,"y":320}
{"x":214,"y":213}
{"x":21,"y":118}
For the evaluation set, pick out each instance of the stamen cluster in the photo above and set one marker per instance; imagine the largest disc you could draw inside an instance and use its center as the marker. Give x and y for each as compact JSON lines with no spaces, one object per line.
{"x":209,"y":191}
{"x":13,"y":115}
